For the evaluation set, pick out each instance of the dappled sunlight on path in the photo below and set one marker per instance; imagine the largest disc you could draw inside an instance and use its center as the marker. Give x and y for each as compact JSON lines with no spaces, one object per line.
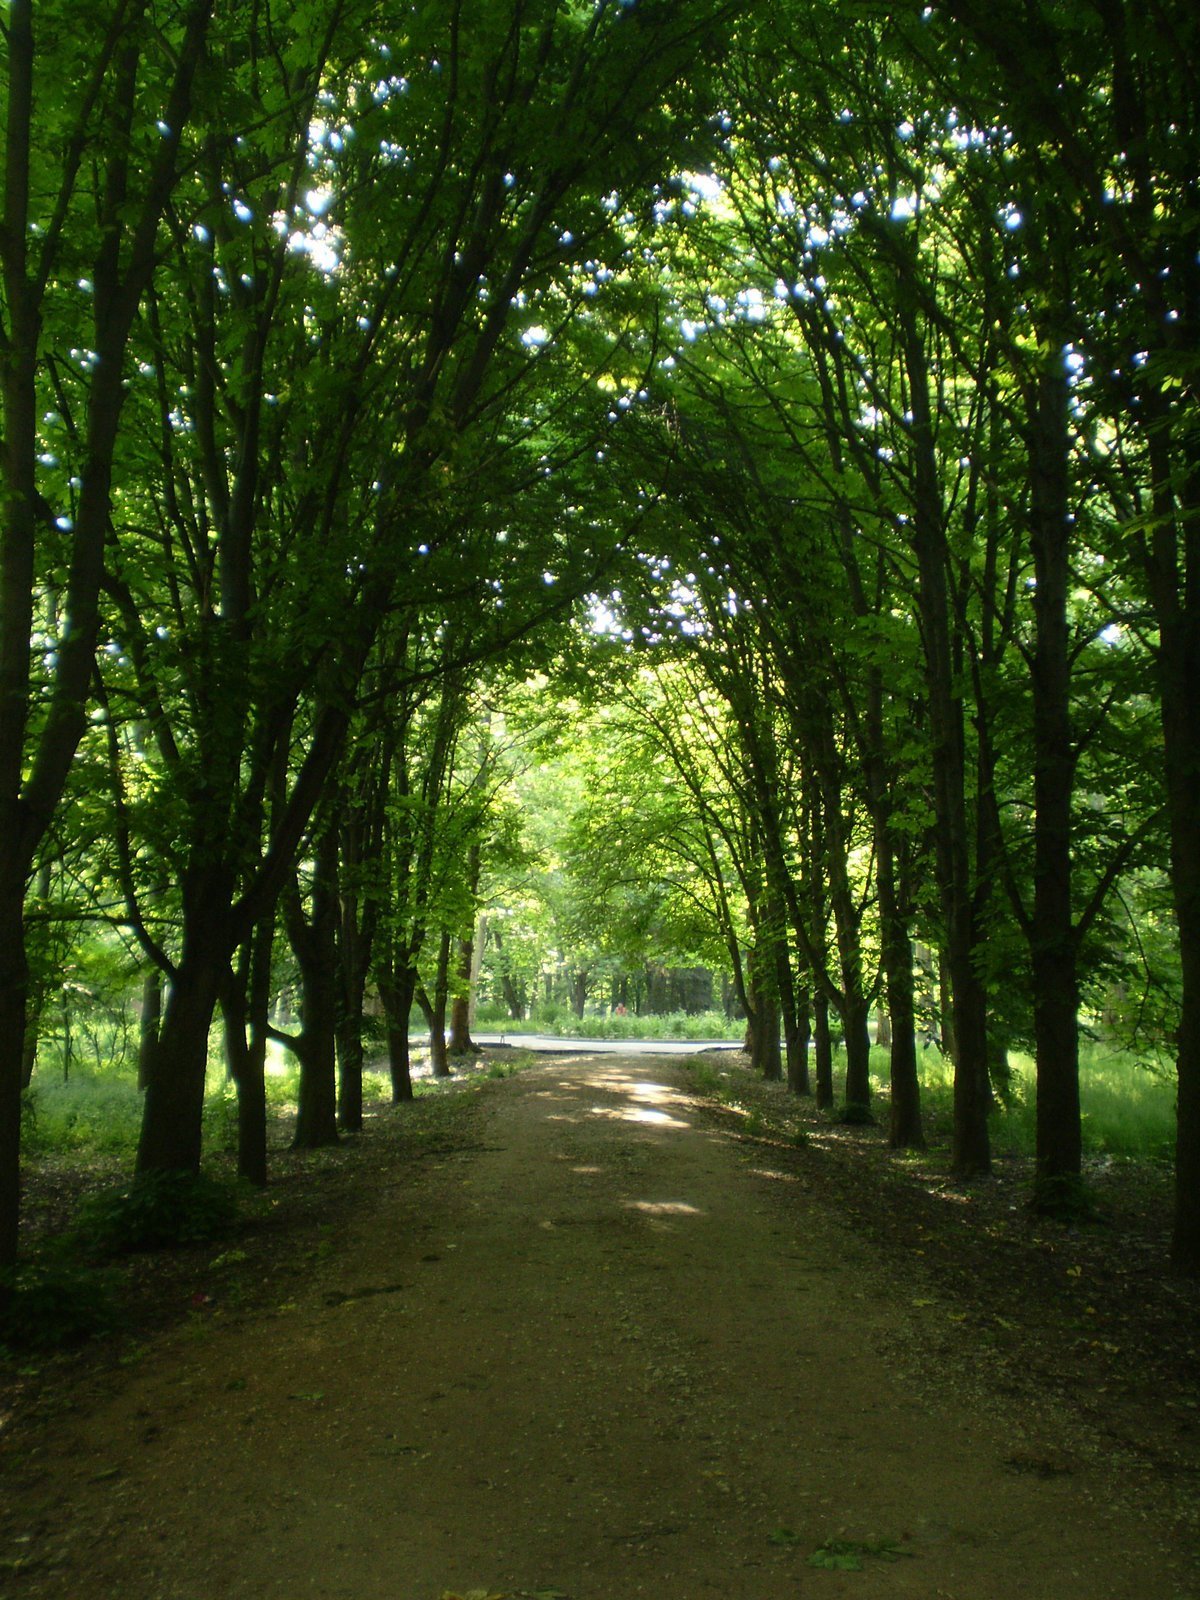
{"x":608,"y":1354}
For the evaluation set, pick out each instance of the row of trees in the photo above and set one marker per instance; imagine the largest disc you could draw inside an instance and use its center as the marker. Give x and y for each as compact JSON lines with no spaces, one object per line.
{"x":835,"y":369}
{"x":304,"y":309}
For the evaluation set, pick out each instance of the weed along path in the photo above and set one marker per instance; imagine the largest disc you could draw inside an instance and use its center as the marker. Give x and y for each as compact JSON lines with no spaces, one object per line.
{"x":606,"y":1351}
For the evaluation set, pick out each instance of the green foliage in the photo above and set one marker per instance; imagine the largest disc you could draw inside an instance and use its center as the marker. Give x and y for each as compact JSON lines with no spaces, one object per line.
{"x":97,"y":1113}
{"x":54,"y":1304}
{"x":158,"y":1210}
{"x":847,"y":1555}
{"x":560,"y":1021}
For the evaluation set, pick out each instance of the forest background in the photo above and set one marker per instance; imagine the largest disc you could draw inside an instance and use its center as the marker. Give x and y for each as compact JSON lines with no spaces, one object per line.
{"x":545,"y":495}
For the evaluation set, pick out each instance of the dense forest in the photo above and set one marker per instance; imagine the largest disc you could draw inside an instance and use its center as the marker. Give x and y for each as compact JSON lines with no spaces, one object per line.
{"x":513,"y":493}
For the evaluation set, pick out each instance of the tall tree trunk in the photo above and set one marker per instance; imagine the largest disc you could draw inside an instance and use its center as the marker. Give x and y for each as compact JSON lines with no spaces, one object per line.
{"x":856,"y":1022}
{"x":314,"y":943}
{"x":14,"y":974}
{"x":972,"y":1151}
{"x":438,"y":1058}
{"x":396,"y":991}
{"x":245,"y":1006}
{"x":822,"y":1051}
{"x":905,"y":1131}
{"x":795,"y":1035}
{"x":460,"y":1043}
{"x":1052,"y":933}
{"x":797,"y":1060}
{"x":173,"y":1107}
{"x":1179,"y":677}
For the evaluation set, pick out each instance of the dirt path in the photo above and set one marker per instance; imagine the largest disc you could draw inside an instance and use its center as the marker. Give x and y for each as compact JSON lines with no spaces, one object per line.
{"x":607,"y":1355}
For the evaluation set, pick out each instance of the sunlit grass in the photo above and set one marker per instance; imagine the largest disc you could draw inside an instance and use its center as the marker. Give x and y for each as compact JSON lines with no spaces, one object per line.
{"x":1127,"y":1106}
{"x":560,"y":1022}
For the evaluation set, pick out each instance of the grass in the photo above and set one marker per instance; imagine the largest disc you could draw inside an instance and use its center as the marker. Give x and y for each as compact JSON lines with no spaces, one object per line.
{"x":561,"y":1023}
{"x":1127,"y":1106}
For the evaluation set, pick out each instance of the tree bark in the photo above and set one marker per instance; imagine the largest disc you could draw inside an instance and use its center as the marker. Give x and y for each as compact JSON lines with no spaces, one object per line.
{"x":438,"y":1058}
{"x":397,"y":993}
{"x":822,"y":1052}
{"x":148,"y":1024}
{"x":1052,"y":932}
{"x":314,"y":944}
{"x":460,"y":1043}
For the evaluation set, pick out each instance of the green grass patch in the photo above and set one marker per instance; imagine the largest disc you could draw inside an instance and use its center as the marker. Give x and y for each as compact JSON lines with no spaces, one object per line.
{"x":1127,"y":1104}
{"x":558,"y":1022}
{"x":94,"y":1113}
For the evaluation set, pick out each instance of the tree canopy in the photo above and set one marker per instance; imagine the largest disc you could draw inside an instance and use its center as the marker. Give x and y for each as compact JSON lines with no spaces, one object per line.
{"x":691,"y":484}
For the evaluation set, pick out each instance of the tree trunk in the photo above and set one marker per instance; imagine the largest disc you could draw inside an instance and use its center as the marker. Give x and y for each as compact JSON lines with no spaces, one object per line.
{"x":1052,"y":933}
{"x":460,"y":1043}
{"x":148,"y":1024}
{"x":971,"y":1153}
{"x":173,"y":1108}
{"x":794,"y":1008}
{"x":579,"y":992}
{"x":799,"y":1081}
{"x":438,"y":1059}
{"x":904,"y":1125}
{"x":314,"y":944}
{"x":397,"y":992}
{"x":1179,"y":676}
{"x":822,"y":1052}
{"x":245,"y":1004}
{"x":13,"y":981}
{"x":856,"y":1019}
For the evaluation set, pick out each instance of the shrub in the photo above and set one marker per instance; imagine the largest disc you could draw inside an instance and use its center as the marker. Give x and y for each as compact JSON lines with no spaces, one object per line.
{"x":56,"y":1304}
{"x":158,"y":1210}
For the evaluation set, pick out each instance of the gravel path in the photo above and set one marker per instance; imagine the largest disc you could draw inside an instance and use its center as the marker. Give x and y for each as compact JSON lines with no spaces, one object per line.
{"x":612,"y":1353}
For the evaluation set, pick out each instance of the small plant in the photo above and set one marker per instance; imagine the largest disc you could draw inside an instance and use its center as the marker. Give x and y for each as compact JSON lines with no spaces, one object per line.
{"x":158,"y":1210}
{"x":847,"y":1555}
{"x":801,"y":1138}
{"x":756,"y":1126}
{"x":55,"y":1304}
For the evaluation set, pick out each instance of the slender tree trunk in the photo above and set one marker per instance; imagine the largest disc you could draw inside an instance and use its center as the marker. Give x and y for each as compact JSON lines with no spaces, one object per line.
{"x":972,"y":1152}
{"x":1052,"y":933}
{"x":13,"y":982}
{"x":822,"y":1052}
{"x":795,"y":1021}
{"x":460,"y":1043}
{"x":797,"y":1063}
{"x":438,"y":1058}
{"x":245,"y":1003}
{"x":947,"y":1040}
{"x":1179,"y":676}
{"x":314,"y":943}
{"x":904,"y":1128}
